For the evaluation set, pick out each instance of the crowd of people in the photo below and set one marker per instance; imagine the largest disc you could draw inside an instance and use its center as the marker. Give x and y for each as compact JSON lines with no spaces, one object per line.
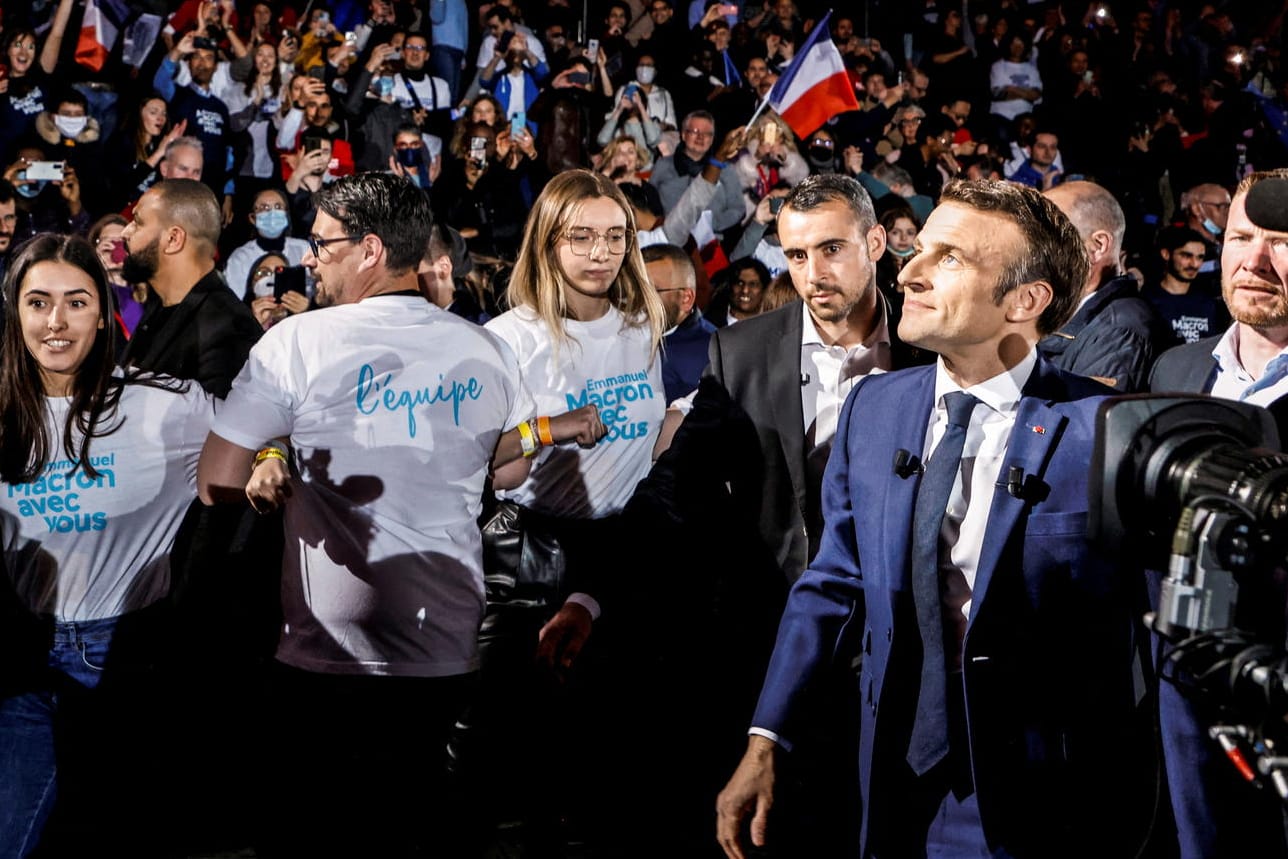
{"x":418,"y":422}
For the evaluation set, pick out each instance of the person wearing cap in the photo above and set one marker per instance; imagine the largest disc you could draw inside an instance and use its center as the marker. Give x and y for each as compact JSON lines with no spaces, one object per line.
{"x":1218,"y":813}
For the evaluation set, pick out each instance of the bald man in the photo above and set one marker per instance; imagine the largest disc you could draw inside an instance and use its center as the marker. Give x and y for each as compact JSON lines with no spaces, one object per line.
{"x":1115,"y":335}
{"x":193,"y":326}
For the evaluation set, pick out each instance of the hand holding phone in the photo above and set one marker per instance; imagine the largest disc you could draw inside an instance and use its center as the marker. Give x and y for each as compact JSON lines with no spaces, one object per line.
{"x":518,"y":124}
{"x":289,"y":279}
{"x":51,"y":171}
{"x":592,"y":50}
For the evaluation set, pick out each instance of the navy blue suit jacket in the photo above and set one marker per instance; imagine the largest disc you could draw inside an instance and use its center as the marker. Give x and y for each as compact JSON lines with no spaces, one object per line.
{"x":1051,"y":645}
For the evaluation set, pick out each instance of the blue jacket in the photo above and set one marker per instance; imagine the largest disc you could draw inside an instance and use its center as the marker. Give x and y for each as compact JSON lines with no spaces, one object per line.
{"x":684,"y":355}
{"x":1056,"y":748}
{"x":1115,"y":335}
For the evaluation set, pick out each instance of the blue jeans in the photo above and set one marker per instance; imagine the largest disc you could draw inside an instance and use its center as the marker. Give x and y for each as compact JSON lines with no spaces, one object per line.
{"x":66,"y":740}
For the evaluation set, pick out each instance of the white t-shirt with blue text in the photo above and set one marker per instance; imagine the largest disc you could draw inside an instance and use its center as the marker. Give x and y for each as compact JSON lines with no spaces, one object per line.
{"x":394,"y":408}
{"x":87,"y":548}
{"x":605,"y":362}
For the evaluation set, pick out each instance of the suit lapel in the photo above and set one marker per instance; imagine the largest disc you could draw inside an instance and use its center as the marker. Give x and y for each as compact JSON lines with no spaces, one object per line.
{"x":1037,"y":427}
{"x":783,"y":372}
{"x":910,"y":406}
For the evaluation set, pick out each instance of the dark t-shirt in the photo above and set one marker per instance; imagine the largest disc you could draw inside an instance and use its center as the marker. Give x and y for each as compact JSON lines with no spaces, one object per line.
{"x":26,"y":98}
{"x":1197,"y":314}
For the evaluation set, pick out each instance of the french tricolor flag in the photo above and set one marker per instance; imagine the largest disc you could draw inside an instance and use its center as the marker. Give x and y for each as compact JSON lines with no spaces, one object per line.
{"x":815,"y":86}
{"x":100,"y":28}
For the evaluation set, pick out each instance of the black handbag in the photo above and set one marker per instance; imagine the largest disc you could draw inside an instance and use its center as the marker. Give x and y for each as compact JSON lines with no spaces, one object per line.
{"x":524,"y":565}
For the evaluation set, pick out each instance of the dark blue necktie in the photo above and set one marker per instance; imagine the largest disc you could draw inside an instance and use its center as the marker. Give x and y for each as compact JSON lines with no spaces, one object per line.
{"x":929,"y":743}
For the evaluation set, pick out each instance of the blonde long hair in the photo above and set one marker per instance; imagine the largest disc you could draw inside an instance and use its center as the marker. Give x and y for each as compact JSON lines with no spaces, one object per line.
{"x":538,"y":281}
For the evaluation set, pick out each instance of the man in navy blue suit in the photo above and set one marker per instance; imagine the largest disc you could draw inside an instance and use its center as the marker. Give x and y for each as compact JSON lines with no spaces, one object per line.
{"x":996,"y":652}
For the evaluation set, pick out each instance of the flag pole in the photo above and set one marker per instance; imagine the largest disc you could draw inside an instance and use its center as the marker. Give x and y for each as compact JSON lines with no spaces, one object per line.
{"x":764,"y":102}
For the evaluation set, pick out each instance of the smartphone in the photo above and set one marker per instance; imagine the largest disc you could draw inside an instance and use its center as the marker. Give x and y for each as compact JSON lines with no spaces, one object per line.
{"x":630,"y":91}
{"x":311,"y":142}
{"x":289,"y":279}
{"x":769,"y":134}
{"x":1102,"y":12}
{"x":728,"y":9}
{"x":324,"y":17}
{"x":579,"y":78}
{"x":478,"y":150}
{"x":318,"y":73}
{"x":775,"y":203}
{"x":518,"y":124}
{"x":503,"y":41}
{"x":592,"y":50}
{"x":45,"y":170}
{"x":351,"y":38}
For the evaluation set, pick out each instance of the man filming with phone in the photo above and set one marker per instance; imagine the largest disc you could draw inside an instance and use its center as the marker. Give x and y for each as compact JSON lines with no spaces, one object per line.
{"x":313,"y":117}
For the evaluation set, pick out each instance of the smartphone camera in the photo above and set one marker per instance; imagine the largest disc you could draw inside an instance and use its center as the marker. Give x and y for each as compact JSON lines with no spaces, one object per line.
{"x":775,"y":205}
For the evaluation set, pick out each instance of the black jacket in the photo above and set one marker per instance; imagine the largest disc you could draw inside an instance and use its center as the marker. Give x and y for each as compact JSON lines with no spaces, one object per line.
{"x":1115,"y":336}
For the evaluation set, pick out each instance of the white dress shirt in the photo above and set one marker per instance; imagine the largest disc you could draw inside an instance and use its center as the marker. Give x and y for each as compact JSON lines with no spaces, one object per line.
{"x":1231,"y":377}
{"x":829,"y":373}
{"x":966,"y":517}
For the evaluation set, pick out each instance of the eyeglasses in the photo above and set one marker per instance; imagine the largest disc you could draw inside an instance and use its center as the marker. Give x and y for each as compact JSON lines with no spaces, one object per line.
{"x":583,"y":240}
{"x":316,"y":244}
{"x":1216,"y":203}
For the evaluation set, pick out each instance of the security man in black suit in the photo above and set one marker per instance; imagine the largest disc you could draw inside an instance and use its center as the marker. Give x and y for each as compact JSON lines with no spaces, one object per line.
{"x":740,"y":482}
{"x":1217,"y":812}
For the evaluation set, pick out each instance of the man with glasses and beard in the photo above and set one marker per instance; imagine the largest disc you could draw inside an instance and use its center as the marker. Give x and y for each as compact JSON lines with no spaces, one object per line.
{"x":193,"y":327}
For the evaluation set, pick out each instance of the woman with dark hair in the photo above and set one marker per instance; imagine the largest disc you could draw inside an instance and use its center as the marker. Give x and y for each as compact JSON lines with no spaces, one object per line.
{"x":135,"y":151}
{"x":27,"y":90}
{"x":251,"y":107}
{"x":260,"y":292}
{"x":105,"y":236}
{"x":739,"y":292}
{"x":480,"y":197}
{"x":99,"y":470}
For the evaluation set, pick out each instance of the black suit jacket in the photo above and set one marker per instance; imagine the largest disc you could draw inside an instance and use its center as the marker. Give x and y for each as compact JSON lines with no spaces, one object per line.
{"x":1186,"y":369}
{"x":742,"y":449}
{"x":206,"y":337}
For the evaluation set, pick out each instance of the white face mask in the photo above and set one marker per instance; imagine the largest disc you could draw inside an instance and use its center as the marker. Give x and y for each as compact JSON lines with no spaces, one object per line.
{"x":645,"y":74}
{"x":70,"y":126}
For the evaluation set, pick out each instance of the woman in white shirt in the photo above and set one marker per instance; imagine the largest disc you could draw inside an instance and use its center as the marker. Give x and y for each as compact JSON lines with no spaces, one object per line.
{"x":98,"y":470}
{"x":586,"y":327}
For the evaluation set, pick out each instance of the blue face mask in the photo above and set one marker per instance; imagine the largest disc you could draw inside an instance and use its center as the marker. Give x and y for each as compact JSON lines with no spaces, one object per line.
{"x":901,"y":254}
{"x":1211,"y":227}
{"x":272,"y":223}
{"x":384,"y":86}
{"x":28,"y":189}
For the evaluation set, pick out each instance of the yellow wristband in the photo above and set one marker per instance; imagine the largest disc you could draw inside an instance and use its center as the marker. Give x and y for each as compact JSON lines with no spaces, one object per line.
{"x":526,"y":439}
{"x":269,"y":453}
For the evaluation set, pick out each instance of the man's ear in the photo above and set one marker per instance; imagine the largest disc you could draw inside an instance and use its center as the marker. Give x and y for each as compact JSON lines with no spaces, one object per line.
{"x":373,"y":252}
{"x":1028,"y":301}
